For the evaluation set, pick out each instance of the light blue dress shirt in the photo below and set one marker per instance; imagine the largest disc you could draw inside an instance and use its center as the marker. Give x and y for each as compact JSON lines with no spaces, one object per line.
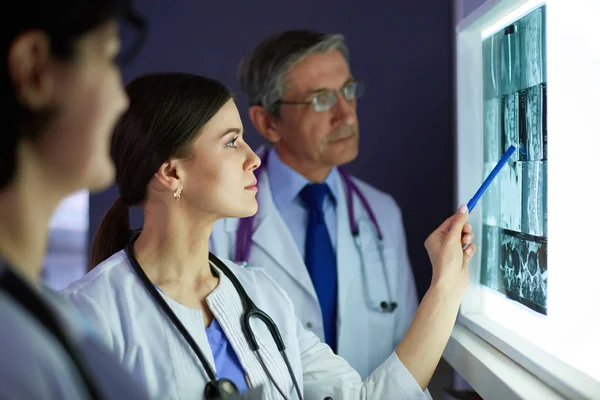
{"x":286,"y":185}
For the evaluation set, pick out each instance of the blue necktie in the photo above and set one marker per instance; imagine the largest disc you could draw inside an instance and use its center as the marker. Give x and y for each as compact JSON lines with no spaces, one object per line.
{"x":320,"y":258}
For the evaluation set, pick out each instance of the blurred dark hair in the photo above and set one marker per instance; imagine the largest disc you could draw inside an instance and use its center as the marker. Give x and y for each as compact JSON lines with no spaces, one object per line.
{"x":65,"y":22}
{"x":167,"y":112}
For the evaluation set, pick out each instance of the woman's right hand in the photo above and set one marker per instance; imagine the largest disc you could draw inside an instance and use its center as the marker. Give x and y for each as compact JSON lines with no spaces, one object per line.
{"x":450,"y":249}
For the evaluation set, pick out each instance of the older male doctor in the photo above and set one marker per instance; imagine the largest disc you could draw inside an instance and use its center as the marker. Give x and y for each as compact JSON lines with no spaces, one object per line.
{"x":335,"y":243}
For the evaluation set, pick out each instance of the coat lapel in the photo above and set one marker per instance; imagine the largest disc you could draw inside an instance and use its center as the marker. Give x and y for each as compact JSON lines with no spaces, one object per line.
{"x":273,"y":237}
{"x":349,"y":257}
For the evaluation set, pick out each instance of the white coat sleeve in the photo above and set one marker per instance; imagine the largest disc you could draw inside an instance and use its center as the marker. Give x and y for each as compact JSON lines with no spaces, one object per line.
{"x":326,"y":374}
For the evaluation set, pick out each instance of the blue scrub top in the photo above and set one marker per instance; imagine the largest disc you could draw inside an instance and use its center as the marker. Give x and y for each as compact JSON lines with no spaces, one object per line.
{"x":227,"y":362}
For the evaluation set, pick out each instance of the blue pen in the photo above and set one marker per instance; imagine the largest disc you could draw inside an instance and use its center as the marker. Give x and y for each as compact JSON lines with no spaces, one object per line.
{"x":471,"y":204}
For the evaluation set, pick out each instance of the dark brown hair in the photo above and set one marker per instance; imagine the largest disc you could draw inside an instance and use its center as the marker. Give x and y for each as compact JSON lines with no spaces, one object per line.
{"x":167,"y":112}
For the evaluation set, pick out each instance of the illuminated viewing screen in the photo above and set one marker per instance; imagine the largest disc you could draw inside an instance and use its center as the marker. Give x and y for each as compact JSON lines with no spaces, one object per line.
{"x":514,"y":242}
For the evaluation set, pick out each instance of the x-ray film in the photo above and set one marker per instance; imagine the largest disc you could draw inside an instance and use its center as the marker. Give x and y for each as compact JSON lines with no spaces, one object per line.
{"x":514,"y":243}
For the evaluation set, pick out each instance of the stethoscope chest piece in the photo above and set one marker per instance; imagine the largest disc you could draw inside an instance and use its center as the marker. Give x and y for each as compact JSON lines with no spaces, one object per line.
{"x":220,"y":389}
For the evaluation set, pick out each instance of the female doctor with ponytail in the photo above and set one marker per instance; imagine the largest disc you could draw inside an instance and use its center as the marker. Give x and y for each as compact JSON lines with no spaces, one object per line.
{"x":189,"y":325}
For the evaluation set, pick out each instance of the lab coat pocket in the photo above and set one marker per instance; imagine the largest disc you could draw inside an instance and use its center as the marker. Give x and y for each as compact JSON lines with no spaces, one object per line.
{"x":375,"y":260}
{"x":380,"y":336}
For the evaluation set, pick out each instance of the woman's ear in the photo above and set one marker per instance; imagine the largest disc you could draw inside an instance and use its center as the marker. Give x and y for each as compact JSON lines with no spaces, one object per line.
{"x":169,"y":175}
{"x":263,"y":123}
{"x":30,"y":69}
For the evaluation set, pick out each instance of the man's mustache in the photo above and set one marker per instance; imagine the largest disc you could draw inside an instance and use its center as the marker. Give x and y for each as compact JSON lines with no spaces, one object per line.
{"x":342,"y":133}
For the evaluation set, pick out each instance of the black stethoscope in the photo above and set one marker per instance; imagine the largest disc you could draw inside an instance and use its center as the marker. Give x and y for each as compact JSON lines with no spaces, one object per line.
{"x":19,"y":290}
{"x":220,"y":388}
{"x":243,"y":240}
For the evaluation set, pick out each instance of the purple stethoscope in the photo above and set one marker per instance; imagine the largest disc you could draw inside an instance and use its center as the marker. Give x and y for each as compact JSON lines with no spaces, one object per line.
{"x":243,"y":242}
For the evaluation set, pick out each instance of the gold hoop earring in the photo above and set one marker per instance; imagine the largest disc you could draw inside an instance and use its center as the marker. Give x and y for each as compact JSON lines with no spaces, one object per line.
{"x":177,"y":194}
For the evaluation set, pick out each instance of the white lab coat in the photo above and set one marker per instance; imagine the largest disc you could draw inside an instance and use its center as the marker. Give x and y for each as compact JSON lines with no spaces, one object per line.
{"x":365,"y":337}
{"x":145,"y":340}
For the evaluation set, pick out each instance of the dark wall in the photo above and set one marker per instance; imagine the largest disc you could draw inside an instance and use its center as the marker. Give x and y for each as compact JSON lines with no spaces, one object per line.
{"x":401,"y":50}
{"x":466,"y":7}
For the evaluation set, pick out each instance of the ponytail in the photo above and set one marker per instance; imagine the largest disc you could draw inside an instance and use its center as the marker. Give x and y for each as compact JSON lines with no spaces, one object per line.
{"x":113,"y":234}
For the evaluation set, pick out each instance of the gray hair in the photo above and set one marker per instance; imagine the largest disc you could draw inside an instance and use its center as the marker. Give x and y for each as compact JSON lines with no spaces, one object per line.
{"x":262,"y":73}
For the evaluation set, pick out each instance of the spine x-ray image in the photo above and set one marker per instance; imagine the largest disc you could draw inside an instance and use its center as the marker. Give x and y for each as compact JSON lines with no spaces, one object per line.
{"x":514,"y":253}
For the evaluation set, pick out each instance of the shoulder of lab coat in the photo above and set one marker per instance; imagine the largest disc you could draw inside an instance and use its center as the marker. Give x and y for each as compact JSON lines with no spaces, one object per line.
{"x":94,"y":293}
{"x":389,"y":216}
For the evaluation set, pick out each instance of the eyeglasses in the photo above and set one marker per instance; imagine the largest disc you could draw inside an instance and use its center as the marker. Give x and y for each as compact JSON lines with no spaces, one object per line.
{"x":326,"y":99}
